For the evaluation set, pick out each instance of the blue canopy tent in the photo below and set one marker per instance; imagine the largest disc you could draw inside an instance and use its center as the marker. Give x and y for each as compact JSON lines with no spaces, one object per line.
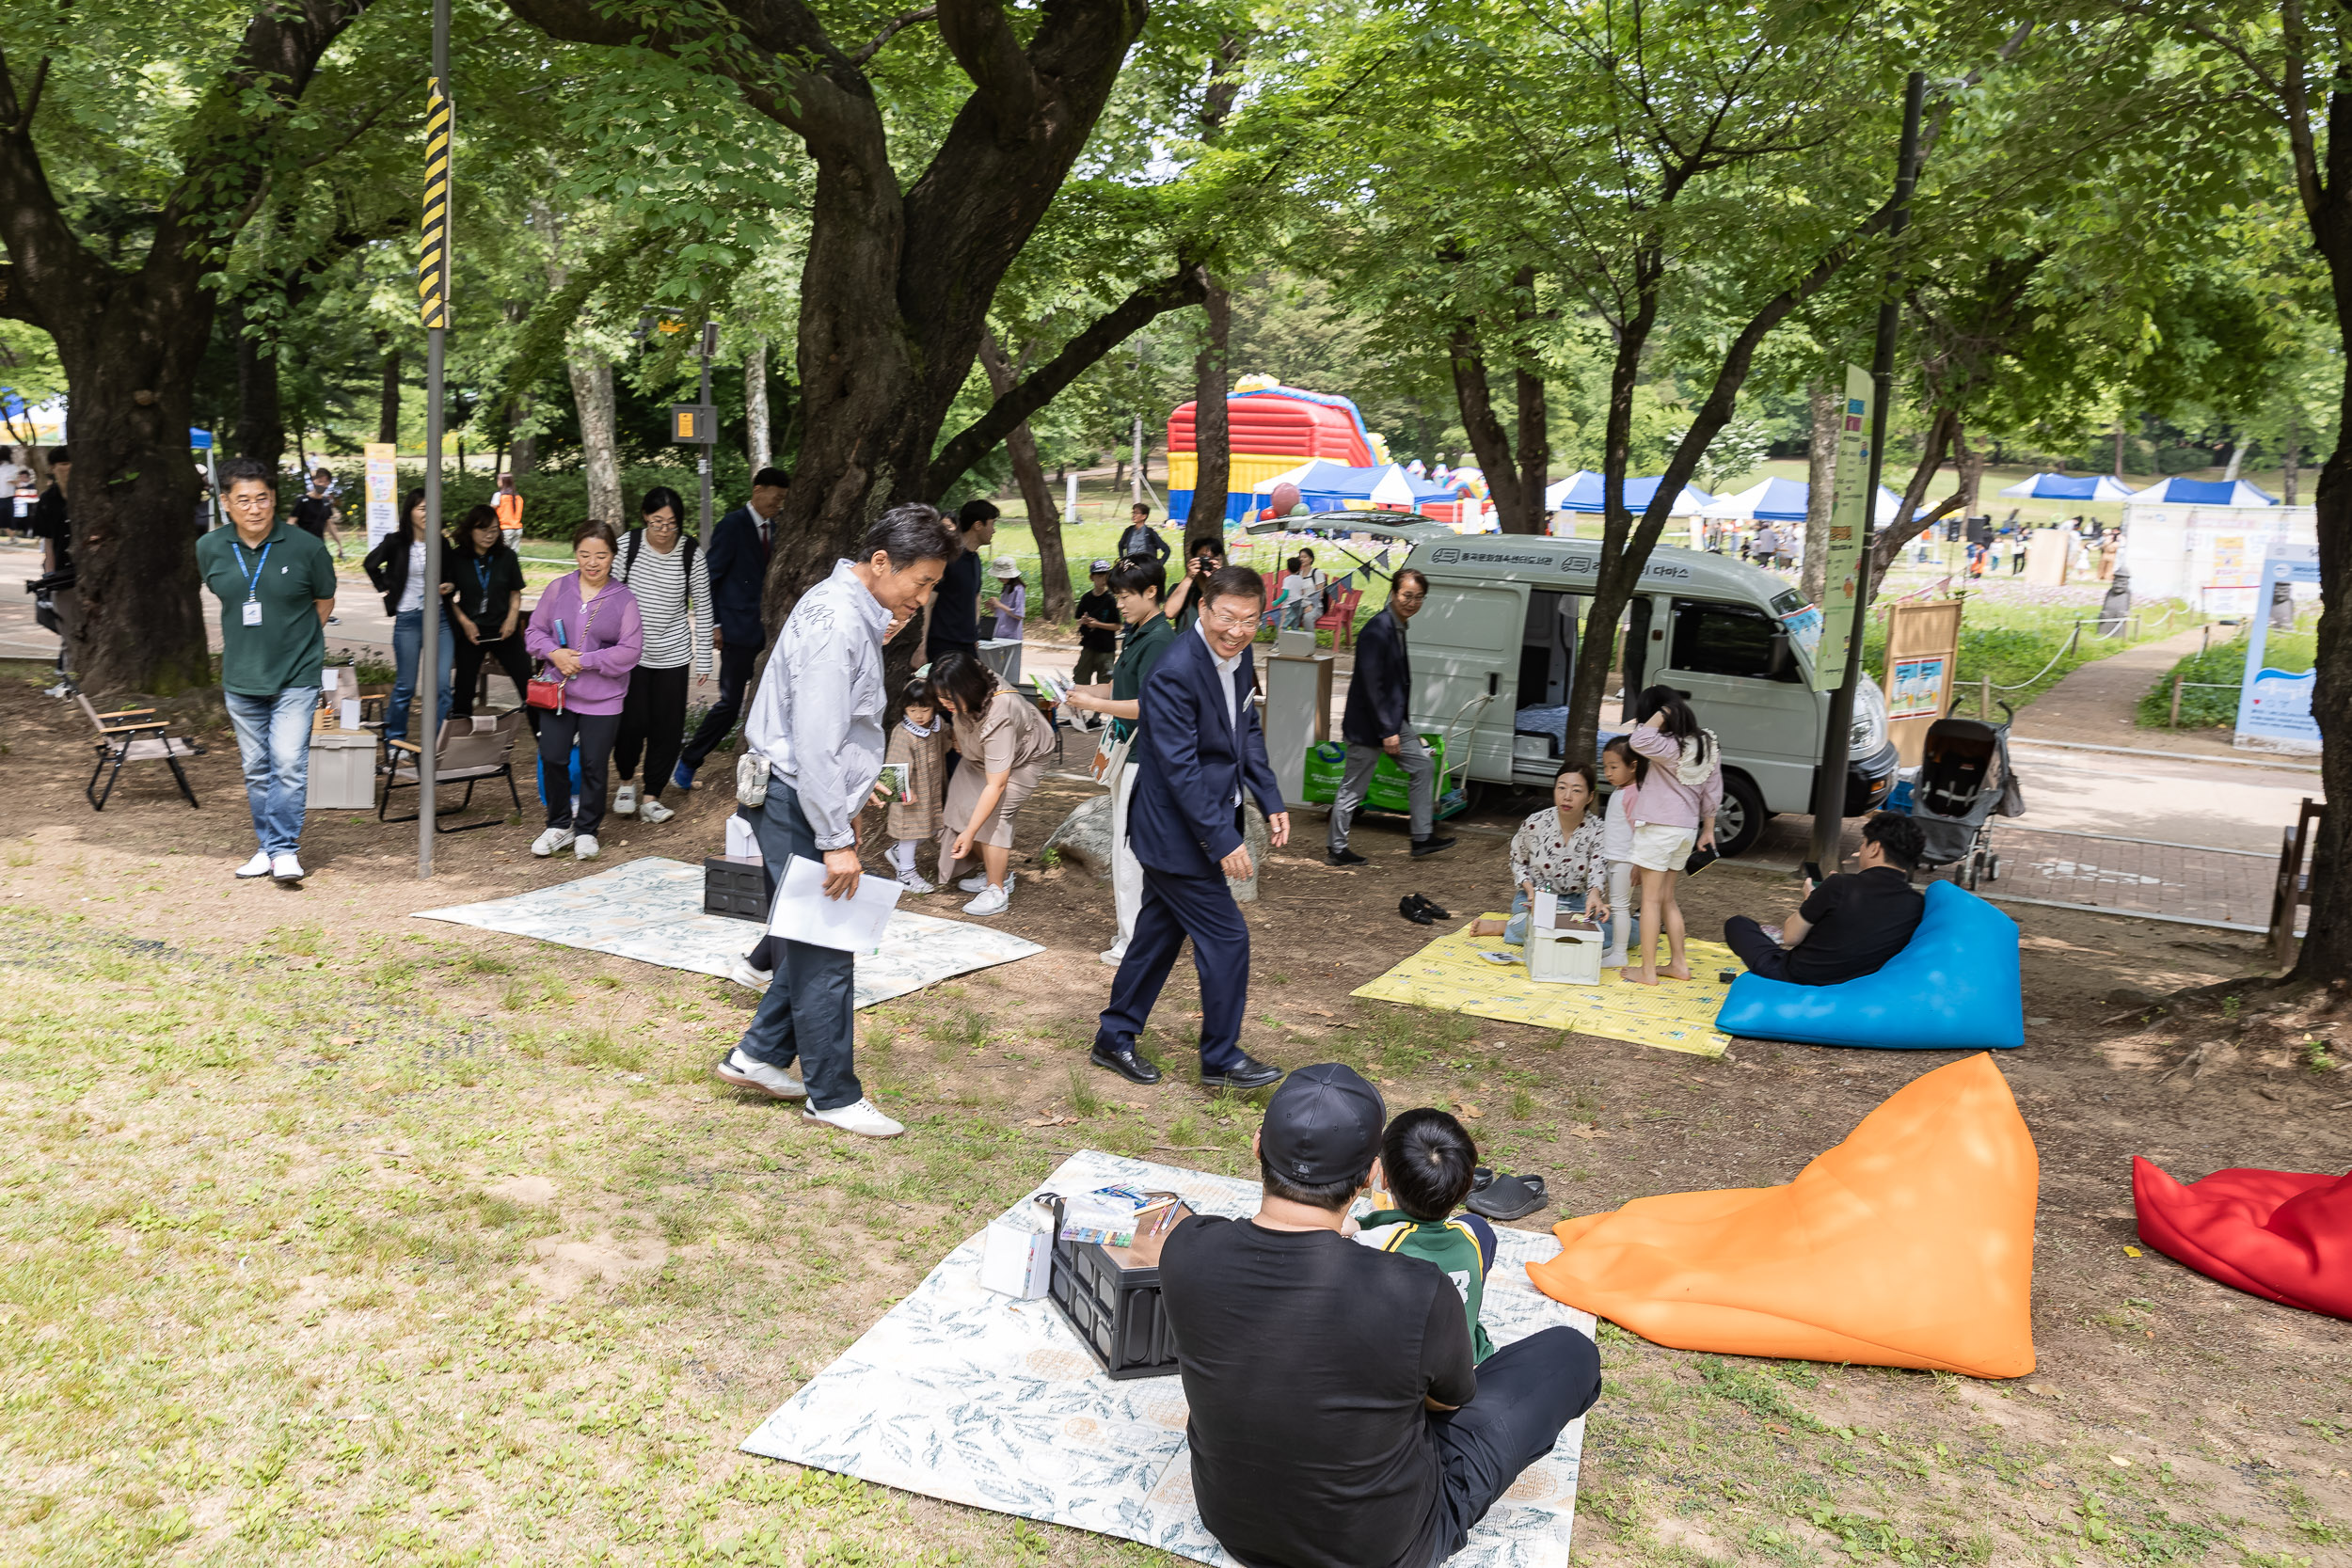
{"x":1581,"y":492}
{"x":1328,"y":486}
{"x":1783,"y":501}
{"x":2198,"y":492}
{"x":2069,"y":488}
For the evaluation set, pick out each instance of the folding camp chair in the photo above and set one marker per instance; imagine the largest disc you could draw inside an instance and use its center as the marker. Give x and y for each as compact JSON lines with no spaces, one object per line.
{"x":468,"y":750}
{"x":132,"y":735}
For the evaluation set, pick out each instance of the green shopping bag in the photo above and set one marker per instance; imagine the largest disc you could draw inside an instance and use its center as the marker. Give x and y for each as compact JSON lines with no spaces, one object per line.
{"x":1391,"y":789}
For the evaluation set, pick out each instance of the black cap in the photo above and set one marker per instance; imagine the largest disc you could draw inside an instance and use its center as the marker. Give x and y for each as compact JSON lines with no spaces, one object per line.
{"x":1322,"y":1125}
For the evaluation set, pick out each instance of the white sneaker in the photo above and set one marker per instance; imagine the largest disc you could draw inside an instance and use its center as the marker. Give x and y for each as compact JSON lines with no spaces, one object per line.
{"x":742,"y":973}
{"x":996,"y":900}
{"x":257,"y":867}
{"x":913,"y":882}
{"x":976,"y":882}
{"x":774,"y":1081}
{"x":584,"y":847}
{"x":653,"y":813}
{"x":625,"y":803}
{"x":1114,"y":954}
{"x":862,"y":1118}
{"x":286,"y":868}
{"x":550,"y":842}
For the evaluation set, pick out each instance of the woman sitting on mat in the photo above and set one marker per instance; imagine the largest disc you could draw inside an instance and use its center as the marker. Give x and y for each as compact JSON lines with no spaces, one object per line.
{"x":1674,"y":814}
{"x":1005,"y":742}
{"x":1558,"y":851}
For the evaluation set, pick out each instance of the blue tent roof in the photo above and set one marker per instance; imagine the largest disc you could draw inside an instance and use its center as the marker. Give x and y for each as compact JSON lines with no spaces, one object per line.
{"x":2196,"y":492}
{"x":1581,"y":492}
{"x":2065,"y":487}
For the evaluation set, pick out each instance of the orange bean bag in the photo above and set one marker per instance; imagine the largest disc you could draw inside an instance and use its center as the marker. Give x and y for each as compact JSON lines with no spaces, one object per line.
{"x":1909,"y":1244}
{"x":2272,"y":1233}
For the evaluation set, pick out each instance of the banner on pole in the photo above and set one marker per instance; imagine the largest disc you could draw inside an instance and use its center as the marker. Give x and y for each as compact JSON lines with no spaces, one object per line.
{"x":432,"y":242}
{"x":383,"y":485}
{"x":1848,"y":532}
{"x":2274,"y":707}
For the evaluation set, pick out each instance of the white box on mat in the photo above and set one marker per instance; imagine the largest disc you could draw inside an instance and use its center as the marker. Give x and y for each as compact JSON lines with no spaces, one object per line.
{"x":1015,"y":1260}
{"x":1564,"y":956}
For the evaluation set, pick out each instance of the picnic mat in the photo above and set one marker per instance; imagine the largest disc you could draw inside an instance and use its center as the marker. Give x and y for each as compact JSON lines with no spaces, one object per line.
{"x":651,"y":910}
{"x":966,"y":1395}
{"x":1674,"y":1015}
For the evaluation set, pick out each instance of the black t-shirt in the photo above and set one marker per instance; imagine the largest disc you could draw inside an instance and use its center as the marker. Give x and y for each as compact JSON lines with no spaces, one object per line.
{"x":52,"y":521}
{"x":1305,"y":1358}
{"x":956,"y":613}
{"x":485,"y":585}
{"x":311,"y":514}
{"x":1859,"y":920}
{"x":1101,"y":606}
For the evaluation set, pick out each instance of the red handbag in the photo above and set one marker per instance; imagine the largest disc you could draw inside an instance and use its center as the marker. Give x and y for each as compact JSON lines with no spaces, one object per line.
{"x":539,"y":691}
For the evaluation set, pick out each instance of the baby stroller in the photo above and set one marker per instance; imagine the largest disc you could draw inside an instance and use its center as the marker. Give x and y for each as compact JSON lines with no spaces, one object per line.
{"x":1965,"y":780}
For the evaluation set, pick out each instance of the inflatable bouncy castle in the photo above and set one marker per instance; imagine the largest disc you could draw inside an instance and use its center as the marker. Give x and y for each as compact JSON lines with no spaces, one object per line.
{"x":1274,"y":429}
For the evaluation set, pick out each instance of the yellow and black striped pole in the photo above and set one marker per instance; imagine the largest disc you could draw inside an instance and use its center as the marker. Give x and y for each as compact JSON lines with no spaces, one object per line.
{"x":433,"y":274}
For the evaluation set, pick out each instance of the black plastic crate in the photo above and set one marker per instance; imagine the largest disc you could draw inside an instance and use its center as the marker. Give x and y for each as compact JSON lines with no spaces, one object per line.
{"x":735,"y":888}
{"x":1114,"y":1308}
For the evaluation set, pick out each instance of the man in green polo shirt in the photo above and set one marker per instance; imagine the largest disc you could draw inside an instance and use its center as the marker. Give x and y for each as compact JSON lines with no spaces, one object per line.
{"x":1138,"y":584}
{"x":276,"y":585}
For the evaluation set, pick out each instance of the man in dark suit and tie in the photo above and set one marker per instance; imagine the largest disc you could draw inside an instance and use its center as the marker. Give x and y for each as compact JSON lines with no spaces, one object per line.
{"x":1200,"y":747}
{"x":736,"y":555}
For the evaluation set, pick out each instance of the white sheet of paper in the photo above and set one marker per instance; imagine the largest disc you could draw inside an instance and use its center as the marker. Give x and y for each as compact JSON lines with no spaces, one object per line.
{"x":1546,"y":913}
{"x":854,"y":925}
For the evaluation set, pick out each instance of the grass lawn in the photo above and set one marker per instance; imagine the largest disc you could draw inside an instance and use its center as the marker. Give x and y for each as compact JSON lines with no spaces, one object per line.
{"x":2212,"y":680}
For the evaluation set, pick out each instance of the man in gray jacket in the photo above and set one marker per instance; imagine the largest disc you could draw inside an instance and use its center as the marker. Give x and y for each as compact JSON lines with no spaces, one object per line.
{"x":817,"y":721}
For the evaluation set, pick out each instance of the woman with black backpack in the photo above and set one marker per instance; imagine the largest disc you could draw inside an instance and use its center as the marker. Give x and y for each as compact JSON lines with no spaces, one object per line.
{"x":663,"y":566}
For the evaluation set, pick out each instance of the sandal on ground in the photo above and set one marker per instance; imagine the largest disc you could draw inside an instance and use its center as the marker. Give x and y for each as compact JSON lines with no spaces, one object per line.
{"x":1482,"y":1177}
{"x":1509,"y":1198}
{"x":1409,"y":906}
{"x":1430,"y":909}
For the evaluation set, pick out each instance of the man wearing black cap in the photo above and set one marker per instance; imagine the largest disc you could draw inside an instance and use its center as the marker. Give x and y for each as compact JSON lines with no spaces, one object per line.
{"x":1338,"y":1420}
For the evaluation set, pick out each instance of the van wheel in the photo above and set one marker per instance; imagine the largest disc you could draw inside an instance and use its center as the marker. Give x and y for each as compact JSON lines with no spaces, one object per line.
{"x":1739,"y":820}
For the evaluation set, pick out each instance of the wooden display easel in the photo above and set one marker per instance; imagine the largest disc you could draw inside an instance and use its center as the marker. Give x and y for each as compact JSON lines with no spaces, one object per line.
{"x":1922,"y":668}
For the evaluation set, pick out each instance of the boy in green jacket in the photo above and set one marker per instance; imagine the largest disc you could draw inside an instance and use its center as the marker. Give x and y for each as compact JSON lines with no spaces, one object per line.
{"x":1427,"y":1163}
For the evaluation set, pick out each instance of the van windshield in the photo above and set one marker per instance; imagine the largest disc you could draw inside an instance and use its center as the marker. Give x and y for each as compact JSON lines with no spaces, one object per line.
{"x":1787,"y":604}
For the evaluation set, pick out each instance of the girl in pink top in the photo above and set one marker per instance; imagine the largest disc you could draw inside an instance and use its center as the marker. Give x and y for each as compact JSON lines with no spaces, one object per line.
{"x":1673,"y":813}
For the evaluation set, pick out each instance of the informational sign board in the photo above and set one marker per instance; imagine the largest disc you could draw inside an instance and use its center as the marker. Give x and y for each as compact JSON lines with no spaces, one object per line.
{"x":1848,"y":532}
{"x":1922,"y":664}
{"x":2274,"y":707}
{"x":383,"y":491}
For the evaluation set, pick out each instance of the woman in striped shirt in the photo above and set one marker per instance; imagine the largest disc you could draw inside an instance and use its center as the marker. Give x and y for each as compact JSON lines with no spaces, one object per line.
{"x":664,"y":568}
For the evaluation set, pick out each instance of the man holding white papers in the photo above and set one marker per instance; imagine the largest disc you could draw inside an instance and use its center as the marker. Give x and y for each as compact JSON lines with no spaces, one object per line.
{"x":816,"y":723}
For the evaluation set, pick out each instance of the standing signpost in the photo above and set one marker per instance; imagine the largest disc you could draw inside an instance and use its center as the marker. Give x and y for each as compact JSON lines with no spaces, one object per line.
{"x":1847,"y":591}
{"x":433,"y":272}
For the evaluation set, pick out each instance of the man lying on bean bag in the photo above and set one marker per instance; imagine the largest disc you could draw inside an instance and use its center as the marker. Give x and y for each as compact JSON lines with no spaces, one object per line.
{"x":1849,"y":924}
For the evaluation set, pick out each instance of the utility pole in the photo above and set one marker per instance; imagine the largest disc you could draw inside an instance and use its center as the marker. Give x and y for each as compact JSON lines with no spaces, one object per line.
{"x":710,"y":347}
{"x":432,"y":276}
{"x":1829,"y":784}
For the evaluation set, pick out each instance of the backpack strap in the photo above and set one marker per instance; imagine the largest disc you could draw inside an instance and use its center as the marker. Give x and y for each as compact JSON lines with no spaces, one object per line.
{"x":629,"y":547}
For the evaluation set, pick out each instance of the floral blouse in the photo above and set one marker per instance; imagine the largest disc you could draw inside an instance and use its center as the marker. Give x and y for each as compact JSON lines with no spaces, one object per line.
{"x":1571,"y":865}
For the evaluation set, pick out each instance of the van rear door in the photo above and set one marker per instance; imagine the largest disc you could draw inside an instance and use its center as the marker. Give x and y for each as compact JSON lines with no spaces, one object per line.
{"x":1735,"y":665}
{"x":1465,"y":645}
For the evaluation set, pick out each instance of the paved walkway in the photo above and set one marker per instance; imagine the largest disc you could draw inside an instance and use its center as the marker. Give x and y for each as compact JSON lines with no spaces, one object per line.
{"x":2099,"y":702}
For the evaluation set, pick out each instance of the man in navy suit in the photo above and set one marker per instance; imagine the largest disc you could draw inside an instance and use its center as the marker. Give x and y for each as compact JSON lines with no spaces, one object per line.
{"x":740,"y":544}
{"x":1200,"y":747}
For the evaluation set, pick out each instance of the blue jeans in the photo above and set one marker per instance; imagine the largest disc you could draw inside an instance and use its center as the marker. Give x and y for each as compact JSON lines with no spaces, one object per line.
{"x":407,"y":640}
{"x":810,"y":1004}
{"x":1514,"y":931}
{"x":274,"y":740}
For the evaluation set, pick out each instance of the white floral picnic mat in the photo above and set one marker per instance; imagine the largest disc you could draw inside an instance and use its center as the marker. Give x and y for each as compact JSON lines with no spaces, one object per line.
{"x":963,"y":1394}
{"x":651,"y":910}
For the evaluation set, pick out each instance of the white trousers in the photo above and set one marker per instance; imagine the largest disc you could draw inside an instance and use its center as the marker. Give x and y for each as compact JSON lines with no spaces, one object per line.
{"x":1127,"y":871}
{"x":1621,"y":913}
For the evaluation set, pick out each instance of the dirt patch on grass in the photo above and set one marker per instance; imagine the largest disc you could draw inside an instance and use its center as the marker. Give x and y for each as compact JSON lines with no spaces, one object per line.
{"x":336,"y":1234}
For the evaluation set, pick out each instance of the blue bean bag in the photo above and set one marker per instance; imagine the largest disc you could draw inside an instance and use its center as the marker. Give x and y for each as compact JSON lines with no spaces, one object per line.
{"x":1955,"y":988}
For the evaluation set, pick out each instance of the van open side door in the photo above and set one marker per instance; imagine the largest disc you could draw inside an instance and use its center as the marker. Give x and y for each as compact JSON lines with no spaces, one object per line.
{"x":1464,"y":648}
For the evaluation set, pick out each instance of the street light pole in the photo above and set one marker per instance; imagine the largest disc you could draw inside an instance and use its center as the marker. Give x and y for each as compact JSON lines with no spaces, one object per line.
{"x":433,"y":274}
{"x":710,"y":347}
{"x":1829,"y":784}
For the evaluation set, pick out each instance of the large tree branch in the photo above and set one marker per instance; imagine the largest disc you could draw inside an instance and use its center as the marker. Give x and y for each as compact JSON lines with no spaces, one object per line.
{"x":980,"y":36}
{"x":1043,"y":385}
{"x":891,"y":29}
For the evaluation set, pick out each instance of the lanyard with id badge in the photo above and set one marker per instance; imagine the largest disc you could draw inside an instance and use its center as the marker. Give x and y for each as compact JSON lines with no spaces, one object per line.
{"x":253,"y":582}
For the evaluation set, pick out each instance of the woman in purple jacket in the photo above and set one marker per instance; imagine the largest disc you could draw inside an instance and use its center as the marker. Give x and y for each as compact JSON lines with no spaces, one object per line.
{"x":589,"y":633}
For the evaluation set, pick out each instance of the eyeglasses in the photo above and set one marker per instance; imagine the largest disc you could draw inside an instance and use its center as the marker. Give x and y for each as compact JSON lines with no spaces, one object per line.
{"x":253,"y":504}
{"x":1408,"y":597}
{"x":1224,"y":621}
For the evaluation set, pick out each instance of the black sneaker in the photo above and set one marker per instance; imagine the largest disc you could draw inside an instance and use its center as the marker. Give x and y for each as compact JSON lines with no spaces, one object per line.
{"x":1343,"y":857}
{"x":1430,"y":845}
{"x":1120,"y":1057}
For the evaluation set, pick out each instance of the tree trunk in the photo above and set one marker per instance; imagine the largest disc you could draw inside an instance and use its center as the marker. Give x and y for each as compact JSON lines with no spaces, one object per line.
{"x":1968,"y":458}
{"x":1534,"y":453}
{"x":1212,"y":430}
{"x":1136,"y":484}
{"x":523,"y":456}
{"x":260,"y":432}
{"x":1943,"y":432}
{"x":1827,"y":402}
{"x":1053,"y":567}
{"x":756,"y":445}
{"x":2292,"y":456}
{"x":388,"y":400}
{"x":2238,"y":456}
{"x":591,"y":375}
{"x":2118,"y":451}
{"x":1488,"y":440}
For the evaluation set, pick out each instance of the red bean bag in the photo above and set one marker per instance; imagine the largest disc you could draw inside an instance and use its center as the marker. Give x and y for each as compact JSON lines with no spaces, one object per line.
{"x":2274,"y":1233}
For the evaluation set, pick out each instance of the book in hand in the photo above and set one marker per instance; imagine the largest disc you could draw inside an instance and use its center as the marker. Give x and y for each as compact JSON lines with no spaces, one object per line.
{"x":896,"y":783}
{"x":1050,"y":686}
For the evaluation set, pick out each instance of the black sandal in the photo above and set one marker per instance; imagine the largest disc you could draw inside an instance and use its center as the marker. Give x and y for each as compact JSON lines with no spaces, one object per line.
{"x":1509,"y":1198}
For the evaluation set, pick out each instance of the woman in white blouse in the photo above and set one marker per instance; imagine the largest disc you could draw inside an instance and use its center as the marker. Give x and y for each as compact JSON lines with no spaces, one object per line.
{"x":1558,"y":851}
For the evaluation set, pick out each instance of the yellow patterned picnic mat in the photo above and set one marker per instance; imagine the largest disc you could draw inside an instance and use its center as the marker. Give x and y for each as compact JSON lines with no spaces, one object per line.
{"x":1675,"y":1015}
